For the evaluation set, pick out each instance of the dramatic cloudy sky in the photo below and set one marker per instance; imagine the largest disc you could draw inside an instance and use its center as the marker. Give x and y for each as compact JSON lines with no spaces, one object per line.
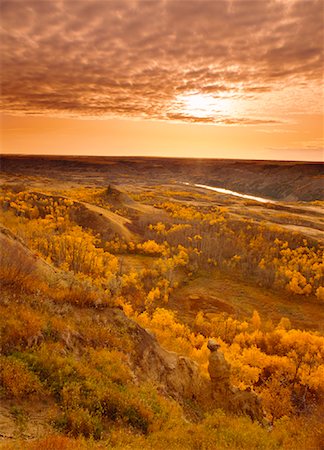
{"x":214,"y":78}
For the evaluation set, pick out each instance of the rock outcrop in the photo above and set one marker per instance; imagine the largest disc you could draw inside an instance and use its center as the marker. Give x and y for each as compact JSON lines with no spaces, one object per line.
{"x":218,"y":368}
{"x":176,"y":375}
{"x":179,"y":376}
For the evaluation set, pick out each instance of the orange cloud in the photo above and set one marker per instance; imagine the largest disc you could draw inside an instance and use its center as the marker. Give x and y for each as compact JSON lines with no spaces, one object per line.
{"x":133,"y":59}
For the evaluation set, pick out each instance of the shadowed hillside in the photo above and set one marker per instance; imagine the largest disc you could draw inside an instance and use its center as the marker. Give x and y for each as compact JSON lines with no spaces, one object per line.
{"x":279,"y":180}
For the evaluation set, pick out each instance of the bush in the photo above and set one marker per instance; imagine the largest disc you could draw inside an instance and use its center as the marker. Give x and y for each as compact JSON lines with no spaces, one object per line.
{"x":138,"y":417}
{"x":16,"y":380}
{"x":78,"y":296}
{"x":53,"y":367}
{"x":19,"y":328}
{"x":80,"y":423}
{"x":51,"y":442}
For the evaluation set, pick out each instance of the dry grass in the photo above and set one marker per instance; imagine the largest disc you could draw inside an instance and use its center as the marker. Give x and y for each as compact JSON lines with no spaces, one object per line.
{"x":216,"y":292}
{"x":17,"y":267}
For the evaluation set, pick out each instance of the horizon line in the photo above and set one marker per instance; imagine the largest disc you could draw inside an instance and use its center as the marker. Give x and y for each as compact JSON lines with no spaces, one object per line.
{"x":51,"y":155}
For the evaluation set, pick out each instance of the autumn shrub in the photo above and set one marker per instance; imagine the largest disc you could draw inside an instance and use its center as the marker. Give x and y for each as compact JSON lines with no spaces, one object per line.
{"x":152,"y":248}
{"x":53,"y":367}
{"x":97,"y":335}
{"x":110,"y":402}
{"x":57,"y":328}
{"x":138,"y":417}
{"x":293,"y":433}
{"x":320,"y":293}
{"x":51,"y":442}
{"x":276,"y":398}
{"x":110,"y":363}
{"x":158,"y":411}
{"x":78,"y":296}
{"x":16,"y":380}
{"x":79,"y":423}
{"x":20,"y":327}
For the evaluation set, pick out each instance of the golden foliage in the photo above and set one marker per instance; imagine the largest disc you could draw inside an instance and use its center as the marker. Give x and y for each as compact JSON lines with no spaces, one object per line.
{"x":50,"y":346}
{"x":16,"y":380}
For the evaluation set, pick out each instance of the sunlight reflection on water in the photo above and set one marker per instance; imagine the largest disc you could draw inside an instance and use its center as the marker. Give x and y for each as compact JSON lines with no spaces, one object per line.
{"x":235,"y":194}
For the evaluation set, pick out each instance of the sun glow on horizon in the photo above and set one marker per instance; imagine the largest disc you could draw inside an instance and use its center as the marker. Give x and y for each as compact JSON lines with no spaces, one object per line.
{"x":204,"y":105}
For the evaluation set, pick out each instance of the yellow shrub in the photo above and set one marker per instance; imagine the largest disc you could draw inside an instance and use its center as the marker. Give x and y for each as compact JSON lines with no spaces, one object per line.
{"x":16,"y":380}
{"x":20,"y":327}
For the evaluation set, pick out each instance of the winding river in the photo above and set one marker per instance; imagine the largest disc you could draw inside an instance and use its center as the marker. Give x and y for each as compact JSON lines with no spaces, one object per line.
{"x":228,"y":192}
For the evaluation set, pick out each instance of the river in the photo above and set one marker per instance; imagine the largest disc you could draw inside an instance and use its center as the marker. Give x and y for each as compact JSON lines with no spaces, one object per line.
{"x":235,"y":194}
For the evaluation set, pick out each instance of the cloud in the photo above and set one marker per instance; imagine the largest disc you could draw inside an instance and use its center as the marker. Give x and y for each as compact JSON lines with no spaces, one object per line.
{"x":134,"y":58}
{"x":221,"y":120}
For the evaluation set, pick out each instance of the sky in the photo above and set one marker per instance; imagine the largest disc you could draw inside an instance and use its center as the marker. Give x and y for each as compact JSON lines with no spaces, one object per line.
{"x":189,"y":78}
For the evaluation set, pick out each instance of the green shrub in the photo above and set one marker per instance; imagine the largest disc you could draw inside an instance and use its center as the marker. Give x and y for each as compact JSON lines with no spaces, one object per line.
{"x":80,"y":423}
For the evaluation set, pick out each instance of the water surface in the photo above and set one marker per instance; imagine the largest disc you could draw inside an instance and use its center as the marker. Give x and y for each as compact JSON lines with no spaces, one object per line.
{"x":235,"y":194}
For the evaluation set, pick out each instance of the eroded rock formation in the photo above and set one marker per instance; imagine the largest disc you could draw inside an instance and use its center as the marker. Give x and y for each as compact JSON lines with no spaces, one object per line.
{"x":179,"y":376}
{"x":176,"y":375}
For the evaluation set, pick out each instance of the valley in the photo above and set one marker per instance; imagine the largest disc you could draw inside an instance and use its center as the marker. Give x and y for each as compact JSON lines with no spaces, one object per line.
{"x":97,"y":252}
